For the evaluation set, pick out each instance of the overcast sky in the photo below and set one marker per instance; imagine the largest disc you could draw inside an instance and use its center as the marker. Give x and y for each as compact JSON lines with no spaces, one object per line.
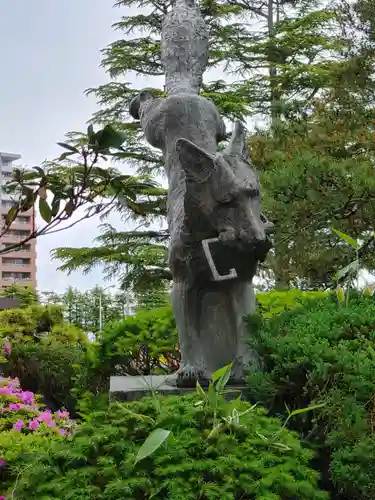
{"x":50,"y":53}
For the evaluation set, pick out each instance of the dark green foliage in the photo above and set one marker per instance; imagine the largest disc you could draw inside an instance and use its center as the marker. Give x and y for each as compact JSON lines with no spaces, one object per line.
{"x":139,"y":345}
{"x":136,"y":259}
{"x":324,"y":352}
{"x":47,"y":354}
{"x":52,"y":369}
{"x":249,"y":462}
{"x":62,"y":365}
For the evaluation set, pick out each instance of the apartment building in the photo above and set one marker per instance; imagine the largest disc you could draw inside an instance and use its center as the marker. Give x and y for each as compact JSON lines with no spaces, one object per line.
{"x":18,"y":266}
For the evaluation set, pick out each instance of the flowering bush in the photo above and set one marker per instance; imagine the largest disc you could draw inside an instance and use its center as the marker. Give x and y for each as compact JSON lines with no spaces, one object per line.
{"x":21,"y":415}
{"x":20,"y":411}
{"x":7,"y":349}
{"x":256,"y":458}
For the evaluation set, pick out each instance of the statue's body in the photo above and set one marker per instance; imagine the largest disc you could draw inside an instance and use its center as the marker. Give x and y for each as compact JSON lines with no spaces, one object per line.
{"x":211,"y":196}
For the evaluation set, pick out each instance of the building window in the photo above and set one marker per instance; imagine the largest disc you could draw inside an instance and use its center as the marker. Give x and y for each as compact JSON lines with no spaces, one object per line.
{"x":10,"y":276}
{"x":7,"y":173}
{"x":7,"y":203}
{"x":20,"y":219}
{"x":22,"y":248}
{"x":14,"y":261}
{"x":23,"y":219}
{"x":17,"y":233}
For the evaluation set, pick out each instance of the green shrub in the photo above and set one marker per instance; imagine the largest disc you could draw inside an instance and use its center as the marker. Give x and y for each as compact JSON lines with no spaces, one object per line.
{"x":30,"y":322}
{"x":53,"y":369}
{"x":257,"y":460}
{"x":47,"y":354}
{"x":325,"y":352}
{"x":140,"y":345}
{"x":26,"y":295}
{"x":271,"y":303}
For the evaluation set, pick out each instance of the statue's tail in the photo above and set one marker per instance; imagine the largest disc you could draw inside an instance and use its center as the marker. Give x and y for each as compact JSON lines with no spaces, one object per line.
{"x":184,"y":48}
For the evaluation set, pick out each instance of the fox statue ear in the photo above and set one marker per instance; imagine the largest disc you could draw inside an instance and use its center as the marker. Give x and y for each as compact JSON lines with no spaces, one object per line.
{"x":237,"y":145}
{"x":196,"y":163}
{"x":135,"y":104}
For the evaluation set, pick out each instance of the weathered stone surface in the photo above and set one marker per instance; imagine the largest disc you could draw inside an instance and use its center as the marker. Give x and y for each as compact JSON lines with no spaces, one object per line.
{"x":218,"y":234}
{"x":184,"y":48}
{"x":133,"y":388}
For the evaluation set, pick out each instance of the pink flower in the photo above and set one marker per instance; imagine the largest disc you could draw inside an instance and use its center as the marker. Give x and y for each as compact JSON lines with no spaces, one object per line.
{"x":33,"y":425}
{"x":14,"y":406}
{"x":2,"y":497}
{"x":18,"y":425}
{"x":45,"y":416}
{"x":7,"y":349}
{"x":27,"y":397}
{"x":2,"y":462}
{"x":62,"y":432}
{"x":62,"y":414}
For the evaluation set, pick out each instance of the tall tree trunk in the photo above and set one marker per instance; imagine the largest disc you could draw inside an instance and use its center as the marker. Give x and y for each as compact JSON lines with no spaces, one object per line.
{"x":281,"y":283}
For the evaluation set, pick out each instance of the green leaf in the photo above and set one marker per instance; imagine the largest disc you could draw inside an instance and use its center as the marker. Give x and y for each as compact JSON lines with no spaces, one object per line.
{"x":133,"y":206}
{"x":11,"y":215}
{"x":109,"y":138}
{"x":137,"y":416}
{"x":349,"y":240}
{"x":221,"y":377}
{"x":340,"y":294}
{"x":304,"y":410}
{"x":42,"y":192}
{"x":281,"y":446}
{"x":69,"y":208}
{"x":45,"y":210}
{"x":200,"y":390}
{"x":152,"y":443}
{"x":351,"y":268}
{"x":65,"y":155}
{"x":68,"y":146}
{"x":368,"y":291}
{"x":215,"y":430}
{"x":55,"y":207}
{"x":220,"y":372}
{"x":40,"y":171}
{"x":28,"y":202}
{"x":91,"y":133}
{"x":212,"y":396}
{"x":16,"y":174}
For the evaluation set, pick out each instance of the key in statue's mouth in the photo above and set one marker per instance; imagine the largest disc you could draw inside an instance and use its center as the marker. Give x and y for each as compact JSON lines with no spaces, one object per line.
{"x":215,"y":274}
{"x":258,"y":251}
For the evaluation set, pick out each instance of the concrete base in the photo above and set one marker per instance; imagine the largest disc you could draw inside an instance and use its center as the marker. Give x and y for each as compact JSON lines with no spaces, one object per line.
{"x":133,"y":388}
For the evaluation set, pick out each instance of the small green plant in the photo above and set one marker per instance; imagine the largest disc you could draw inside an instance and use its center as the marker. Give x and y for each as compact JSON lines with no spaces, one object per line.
{"x":350,"y":273}
{"x":212,"y":401}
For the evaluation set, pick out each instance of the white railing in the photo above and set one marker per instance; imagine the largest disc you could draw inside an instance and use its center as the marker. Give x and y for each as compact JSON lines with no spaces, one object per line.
{"x":15,"y":264}
{"x":14,"y":278}
{"x":16,"y":236}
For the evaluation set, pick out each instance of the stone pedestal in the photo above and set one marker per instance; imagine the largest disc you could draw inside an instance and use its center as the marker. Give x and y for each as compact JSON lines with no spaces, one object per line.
{"x":132,"y":388}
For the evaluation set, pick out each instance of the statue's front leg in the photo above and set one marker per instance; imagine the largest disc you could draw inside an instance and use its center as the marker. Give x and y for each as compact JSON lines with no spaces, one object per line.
{"x":184,"y":304}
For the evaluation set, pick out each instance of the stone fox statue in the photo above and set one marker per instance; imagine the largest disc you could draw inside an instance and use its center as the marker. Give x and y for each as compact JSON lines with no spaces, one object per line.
{"x":217,"y":234}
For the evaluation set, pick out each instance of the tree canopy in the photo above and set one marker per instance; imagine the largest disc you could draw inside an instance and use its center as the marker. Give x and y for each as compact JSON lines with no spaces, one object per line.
{"x":301,"y":74}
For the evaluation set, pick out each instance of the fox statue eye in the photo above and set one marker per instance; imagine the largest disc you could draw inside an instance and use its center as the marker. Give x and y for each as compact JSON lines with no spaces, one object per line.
{"x":252,"y":192}
{"x":226,"y":200}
